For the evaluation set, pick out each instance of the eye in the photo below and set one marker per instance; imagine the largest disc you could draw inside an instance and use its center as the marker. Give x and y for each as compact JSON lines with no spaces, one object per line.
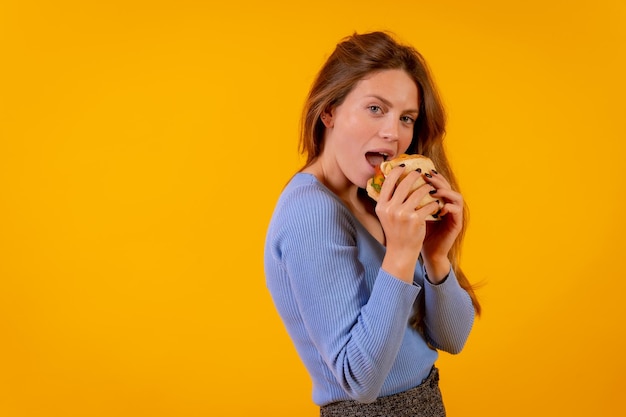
{"x":375,"y":109}
{"x":407,"y":119}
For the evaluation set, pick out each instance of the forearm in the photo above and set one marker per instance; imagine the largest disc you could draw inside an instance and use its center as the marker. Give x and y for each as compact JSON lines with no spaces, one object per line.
{"x":363,"y":363}
{"x":437,"y":269}
{"x":449,"y":315}
{"x":400,"y":264}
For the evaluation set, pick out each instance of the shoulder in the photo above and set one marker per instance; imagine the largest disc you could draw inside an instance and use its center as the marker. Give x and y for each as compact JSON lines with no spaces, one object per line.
{"x":306,"y":194}
{"x":307,"y":206}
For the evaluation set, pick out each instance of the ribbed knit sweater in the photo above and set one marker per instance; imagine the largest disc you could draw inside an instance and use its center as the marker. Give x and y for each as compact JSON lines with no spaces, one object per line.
{"x":347,"y":317}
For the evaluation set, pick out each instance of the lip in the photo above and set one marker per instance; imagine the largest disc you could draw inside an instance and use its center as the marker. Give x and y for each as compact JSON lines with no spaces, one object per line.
{"x":387,"y":151}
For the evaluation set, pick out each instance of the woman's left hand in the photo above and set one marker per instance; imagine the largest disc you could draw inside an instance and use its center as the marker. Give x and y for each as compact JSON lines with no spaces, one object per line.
{"x":441,"y":234}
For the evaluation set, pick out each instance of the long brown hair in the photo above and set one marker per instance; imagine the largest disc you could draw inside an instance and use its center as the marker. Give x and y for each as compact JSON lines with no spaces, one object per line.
{"x":353,"y":59}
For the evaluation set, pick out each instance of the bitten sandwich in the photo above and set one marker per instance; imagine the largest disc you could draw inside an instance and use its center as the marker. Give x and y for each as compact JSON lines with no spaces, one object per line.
{"x":410,"y":163}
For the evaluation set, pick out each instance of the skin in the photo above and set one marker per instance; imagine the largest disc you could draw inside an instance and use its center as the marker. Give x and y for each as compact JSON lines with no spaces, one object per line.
{"x":378,"y":115}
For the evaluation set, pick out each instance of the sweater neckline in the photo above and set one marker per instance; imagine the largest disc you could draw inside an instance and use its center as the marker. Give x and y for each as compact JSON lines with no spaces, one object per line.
{"x":312,"y":179}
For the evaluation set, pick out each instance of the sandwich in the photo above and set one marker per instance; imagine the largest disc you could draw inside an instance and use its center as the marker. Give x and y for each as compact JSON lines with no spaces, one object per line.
{"x":419,"y":163}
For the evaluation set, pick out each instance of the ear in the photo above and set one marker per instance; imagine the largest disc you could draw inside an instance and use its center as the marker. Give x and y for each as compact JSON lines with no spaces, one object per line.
{"x":327,"y":118}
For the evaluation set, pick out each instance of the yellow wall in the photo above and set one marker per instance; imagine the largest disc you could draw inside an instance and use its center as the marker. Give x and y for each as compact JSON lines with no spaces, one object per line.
{"x":139,"y":164}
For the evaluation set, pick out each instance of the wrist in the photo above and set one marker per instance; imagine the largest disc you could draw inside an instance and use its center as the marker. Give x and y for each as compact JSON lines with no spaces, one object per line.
{"x":437,"y":270}
{"x":401,"y":267}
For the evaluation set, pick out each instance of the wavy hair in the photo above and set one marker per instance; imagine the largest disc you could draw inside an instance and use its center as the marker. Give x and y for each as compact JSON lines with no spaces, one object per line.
{"x":353,"y":59}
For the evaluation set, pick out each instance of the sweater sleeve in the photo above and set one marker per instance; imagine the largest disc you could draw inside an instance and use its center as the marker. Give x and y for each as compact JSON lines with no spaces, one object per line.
{"x":449,"y":314}
{"x":357,"y":333}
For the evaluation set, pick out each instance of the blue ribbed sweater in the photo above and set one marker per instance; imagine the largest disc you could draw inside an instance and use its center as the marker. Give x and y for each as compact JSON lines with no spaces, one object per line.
{"x":347,"y":317}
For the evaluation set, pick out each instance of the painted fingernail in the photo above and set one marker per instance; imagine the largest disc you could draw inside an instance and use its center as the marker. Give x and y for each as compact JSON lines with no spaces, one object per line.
{"x":419,"y":170}
{"x":432,"y":191}
{"x":427,"y":175}
{"x":434,"y":172}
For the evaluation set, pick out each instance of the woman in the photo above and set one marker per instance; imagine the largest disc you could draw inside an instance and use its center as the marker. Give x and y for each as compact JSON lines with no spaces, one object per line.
{"x":370,"y":291}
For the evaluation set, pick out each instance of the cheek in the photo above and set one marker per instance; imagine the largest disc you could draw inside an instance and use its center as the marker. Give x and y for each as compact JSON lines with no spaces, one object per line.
{"x":353,"y":132}
{"x":352,"y":122}
{"x":405,"y":140}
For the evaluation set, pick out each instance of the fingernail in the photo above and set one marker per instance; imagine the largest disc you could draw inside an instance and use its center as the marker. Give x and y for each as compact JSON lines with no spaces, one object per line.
{"x":428,"y":175}
{"x":432,"y":191}
{"x":434,"y":172}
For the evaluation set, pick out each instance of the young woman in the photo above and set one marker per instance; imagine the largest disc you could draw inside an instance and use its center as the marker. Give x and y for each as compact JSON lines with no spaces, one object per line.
{"x":369,"y":292}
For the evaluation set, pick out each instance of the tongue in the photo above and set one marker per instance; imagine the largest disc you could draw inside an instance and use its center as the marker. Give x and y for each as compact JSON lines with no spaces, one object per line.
{"x":374,"y":158}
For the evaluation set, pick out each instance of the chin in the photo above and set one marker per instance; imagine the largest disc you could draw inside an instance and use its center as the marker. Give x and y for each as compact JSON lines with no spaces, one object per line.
{"x":362,"y":182}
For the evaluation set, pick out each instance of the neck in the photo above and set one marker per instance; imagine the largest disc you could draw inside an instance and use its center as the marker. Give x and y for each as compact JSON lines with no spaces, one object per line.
{"x":336,"y":182}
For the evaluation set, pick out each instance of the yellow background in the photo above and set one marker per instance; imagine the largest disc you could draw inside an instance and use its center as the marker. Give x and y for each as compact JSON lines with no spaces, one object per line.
{"x":143,"y":145}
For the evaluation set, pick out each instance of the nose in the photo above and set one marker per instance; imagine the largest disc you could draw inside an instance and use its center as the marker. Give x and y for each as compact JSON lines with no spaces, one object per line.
{"x":390,"y":129}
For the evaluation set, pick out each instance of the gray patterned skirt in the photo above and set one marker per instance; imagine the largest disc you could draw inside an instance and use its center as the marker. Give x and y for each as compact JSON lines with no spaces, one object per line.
{"x":422,"y":401}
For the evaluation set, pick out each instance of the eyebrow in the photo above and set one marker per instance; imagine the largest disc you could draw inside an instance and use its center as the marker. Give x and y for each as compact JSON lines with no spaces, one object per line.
{"x":388,"y":103}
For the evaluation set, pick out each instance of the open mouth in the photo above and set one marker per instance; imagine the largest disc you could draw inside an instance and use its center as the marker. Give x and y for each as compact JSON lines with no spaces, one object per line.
{"x":376,"y":158}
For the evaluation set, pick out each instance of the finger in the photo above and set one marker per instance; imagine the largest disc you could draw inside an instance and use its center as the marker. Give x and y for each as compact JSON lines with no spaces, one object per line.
{"x":416,"y":195}
{"x":437,"y":180}
{"x":429,"y":209}
{"x":408,"y":185}
{"x":389,"y":186}
{"x":452,"y":209}
{"x":447,"y":195}
{"x":421,"y":198}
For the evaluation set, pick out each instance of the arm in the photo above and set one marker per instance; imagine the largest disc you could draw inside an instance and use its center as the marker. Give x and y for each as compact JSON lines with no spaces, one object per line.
{"x":449,"y":314}
{"x":357,"y":333}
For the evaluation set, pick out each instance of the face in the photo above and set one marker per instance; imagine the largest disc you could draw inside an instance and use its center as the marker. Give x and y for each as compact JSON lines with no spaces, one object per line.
{"x":375,"y":122}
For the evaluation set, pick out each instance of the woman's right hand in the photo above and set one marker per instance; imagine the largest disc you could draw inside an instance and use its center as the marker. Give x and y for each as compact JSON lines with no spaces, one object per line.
{"x":403,"y":225}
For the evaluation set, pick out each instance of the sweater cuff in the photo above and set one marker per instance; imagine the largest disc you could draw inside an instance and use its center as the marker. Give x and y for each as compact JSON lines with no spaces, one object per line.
{"x":395,"y":287}
{"x":448,"y":284}
{"x":440,"y":282}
